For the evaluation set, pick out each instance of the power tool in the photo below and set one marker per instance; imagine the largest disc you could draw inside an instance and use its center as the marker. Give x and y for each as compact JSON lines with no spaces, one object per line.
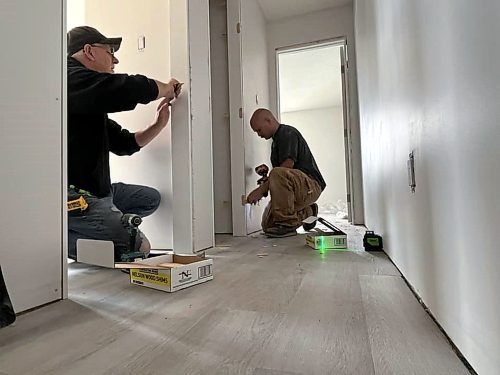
{"x":131,"y":222}
{"x":262,"y":170}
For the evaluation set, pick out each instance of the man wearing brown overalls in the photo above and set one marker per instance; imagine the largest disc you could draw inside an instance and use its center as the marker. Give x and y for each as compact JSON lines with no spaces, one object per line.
{"x":295,"y":182}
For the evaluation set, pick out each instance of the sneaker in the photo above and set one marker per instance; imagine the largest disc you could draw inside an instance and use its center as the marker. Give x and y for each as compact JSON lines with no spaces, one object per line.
{"x":280,"y":231}
{"x":308,"y":227}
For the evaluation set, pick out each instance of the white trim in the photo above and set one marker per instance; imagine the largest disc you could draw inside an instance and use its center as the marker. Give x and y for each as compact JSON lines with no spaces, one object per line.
{"x":191,"y":124}
{"x":64,"y":159}
{"x":236,"y":123}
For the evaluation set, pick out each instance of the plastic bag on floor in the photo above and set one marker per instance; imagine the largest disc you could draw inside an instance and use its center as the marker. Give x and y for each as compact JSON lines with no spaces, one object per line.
{"x":7,"y":315}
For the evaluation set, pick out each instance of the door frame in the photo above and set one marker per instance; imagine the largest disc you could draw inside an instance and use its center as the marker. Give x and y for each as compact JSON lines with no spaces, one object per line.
{"x":348,"y":135}
{"x":236,"y":120}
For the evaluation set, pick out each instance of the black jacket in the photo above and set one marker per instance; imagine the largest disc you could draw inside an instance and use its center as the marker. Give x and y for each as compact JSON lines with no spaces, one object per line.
{"x":91,"y":134}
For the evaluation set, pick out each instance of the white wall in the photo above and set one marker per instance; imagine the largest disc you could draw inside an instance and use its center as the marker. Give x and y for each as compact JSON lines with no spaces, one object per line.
{"x":327,"y":24}
{"x":323,"y":130}
{"x":151,"y":166}
{"x":32,"y":143}
{"x":429,"y":82}
{"x":75,"y":15}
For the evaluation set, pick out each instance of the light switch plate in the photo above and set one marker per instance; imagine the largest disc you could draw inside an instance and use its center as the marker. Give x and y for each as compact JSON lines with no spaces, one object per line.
{"x":141,"y":43}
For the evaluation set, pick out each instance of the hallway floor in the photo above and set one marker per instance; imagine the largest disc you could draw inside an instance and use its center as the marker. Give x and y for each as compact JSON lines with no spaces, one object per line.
{"x":292,"y":311}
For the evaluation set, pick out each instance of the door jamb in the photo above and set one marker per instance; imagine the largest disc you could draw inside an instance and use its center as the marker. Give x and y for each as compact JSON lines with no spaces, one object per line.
{"x":341,"y":42}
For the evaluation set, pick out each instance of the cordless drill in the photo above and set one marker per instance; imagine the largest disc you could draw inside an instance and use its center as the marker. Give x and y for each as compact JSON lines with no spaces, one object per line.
{"x":131,"y":222}
{"x":262,"y":170}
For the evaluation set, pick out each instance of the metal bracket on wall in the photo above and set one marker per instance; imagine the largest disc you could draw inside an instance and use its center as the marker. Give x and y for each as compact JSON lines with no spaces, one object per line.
{"x":411,"y":172}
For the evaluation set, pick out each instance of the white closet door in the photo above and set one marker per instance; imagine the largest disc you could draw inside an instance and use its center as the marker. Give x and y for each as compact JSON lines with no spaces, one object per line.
{"x":248,"y":90}
{"x":31,"y":151}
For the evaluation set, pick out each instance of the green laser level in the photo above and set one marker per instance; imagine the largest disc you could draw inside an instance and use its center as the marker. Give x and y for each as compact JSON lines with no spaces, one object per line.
{"x":372,"y":241}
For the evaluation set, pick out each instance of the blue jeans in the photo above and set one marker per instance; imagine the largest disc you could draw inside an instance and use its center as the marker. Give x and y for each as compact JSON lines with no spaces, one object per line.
{"x":102,"y":219}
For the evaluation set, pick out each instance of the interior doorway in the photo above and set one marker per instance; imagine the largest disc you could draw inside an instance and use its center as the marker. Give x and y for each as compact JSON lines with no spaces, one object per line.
{"x":312,"y":97}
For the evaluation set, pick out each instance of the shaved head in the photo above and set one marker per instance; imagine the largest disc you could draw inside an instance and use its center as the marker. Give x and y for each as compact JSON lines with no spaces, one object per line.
{"x":264,"y":123}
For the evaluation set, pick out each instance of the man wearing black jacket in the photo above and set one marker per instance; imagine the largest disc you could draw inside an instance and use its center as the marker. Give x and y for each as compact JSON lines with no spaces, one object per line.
{"x":93,"y":92}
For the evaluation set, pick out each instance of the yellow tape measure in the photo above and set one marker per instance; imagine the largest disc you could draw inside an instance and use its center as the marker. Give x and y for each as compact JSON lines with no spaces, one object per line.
{"x":78,"y":204}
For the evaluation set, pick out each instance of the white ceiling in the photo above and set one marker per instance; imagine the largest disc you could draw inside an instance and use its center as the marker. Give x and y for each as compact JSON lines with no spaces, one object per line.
{"x":278,"y":9}
{"x":310,"y":79}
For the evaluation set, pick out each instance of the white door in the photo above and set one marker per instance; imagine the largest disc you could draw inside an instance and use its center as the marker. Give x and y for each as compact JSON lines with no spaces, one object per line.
{"x":32,"y":151}
{"x":249,"y":90}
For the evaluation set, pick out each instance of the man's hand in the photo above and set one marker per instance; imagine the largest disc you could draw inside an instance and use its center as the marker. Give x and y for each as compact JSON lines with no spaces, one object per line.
{"x":255,"y":196}
{"x":162,"y":113}
{"x":168,"y":90}
{"x":143,"y":137}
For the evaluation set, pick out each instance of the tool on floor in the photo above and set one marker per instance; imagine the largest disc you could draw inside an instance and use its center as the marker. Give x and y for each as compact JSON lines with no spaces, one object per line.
{"x":131,"y":222}
{"x":322,"y":240}
{"x":7,"y":315}
{"x":372,"y":241}
{"x":262,"y":170}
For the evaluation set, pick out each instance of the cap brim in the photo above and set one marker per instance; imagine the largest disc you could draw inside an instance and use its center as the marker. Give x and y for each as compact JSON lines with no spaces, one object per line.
{"x":114,"y":42}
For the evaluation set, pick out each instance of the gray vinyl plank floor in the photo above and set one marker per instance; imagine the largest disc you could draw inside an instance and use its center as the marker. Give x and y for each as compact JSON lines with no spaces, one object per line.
{"x":403,"y":337}
{"x":275,"y":307}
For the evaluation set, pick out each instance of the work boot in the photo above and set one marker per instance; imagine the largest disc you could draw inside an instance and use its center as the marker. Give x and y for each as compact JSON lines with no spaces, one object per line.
{"x":308,"y":227}
{"x":280,"y":231}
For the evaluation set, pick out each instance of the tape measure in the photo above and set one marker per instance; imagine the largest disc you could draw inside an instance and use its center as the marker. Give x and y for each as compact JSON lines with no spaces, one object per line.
{"x":77,"y":204}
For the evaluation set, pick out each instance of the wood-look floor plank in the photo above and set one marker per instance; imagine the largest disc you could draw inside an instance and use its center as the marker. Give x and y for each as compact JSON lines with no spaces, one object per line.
{"x":223,"y":342}
{"x":403,"y":338}
{"x":323,"y":330}
{"x":264,"y":371}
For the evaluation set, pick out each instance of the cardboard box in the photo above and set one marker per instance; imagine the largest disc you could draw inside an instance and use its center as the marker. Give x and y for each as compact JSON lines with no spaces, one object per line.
{"x":169,"y":272}
{"x":323,"y":240}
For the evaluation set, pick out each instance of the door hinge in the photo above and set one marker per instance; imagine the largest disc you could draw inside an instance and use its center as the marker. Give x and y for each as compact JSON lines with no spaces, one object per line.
{"x":348,"y":198}
{"x":238,"y":27}
{"x":345,"y":133}
{"x":342,"y":69}
{"x":240,"y":113}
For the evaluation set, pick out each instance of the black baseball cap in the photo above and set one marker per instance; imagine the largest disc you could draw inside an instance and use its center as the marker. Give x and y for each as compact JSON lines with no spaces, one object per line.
{"x":81,"y":35}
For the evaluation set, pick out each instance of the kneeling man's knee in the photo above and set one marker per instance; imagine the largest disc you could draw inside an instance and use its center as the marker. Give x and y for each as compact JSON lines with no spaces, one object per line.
{"x":278,"y":172}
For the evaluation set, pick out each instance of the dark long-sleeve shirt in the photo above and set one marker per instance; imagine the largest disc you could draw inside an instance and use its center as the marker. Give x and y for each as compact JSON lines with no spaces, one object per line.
{"x":91,"y":134}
